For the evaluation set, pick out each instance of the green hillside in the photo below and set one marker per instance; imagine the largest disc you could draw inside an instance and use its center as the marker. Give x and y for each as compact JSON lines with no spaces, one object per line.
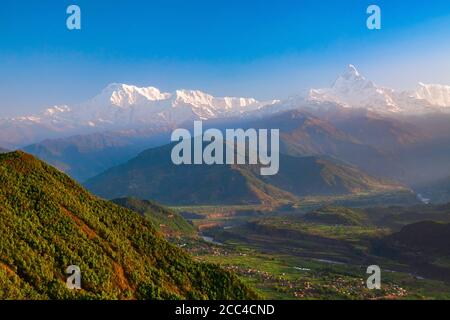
{"x":396,"y":217}
{"x":338,"y":216}
{"x":313,"y":176}
{"x":152,"y":175}
{"x":49,"y":222}
{"x":422,"y":245}
{"x":165,"y":220}
{"x":426,"y":236}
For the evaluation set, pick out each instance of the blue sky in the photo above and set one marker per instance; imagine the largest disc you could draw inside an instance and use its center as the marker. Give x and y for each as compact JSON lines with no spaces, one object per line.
{"x":265,"y":49}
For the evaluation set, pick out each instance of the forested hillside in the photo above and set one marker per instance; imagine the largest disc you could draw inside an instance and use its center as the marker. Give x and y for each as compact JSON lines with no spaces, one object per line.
{"x":49,"y":222}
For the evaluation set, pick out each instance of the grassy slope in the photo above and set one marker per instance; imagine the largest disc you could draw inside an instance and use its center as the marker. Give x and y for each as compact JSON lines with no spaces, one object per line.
{"x":167,"y":221}
{"x":337,"y":216}
{"x":49,"y":222}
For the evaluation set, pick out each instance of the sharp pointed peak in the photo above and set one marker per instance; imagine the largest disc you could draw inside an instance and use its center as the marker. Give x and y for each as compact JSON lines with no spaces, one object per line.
{"x":352,"y":71}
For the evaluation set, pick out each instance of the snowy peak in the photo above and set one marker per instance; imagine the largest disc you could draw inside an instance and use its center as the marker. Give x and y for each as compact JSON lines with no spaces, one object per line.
{"x":353,"y":90}
{"x":435,"y":94}
{"x":199,"y":98}
{"x":353,"y":71}
{"x":122,"y":106}
{"x":352,"y":74}
{"x":123,"y":95}
{"x":193,"y":97}
{"x":56,"y":110}
{"x":352,"y":84}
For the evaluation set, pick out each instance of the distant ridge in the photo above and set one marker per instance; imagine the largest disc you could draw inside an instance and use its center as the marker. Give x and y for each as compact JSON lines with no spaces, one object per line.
{"x":152,"y":175}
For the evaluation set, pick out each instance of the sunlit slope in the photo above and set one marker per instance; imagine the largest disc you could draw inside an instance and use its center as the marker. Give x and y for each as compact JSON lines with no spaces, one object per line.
{"x":49,"y":222}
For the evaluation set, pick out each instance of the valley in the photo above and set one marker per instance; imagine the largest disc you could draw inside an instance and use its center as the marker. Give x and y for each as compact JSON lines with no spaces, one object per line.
{"x":298,"y":178}
{"x":205,"y":159}
{"x":319,"y":254}
{"x":362,"y":179}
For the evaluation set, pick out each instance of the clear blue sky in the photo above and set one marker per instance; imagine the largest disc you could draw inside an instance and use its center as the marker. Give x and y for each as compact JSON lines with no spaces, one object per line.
{"x":261,"y":48}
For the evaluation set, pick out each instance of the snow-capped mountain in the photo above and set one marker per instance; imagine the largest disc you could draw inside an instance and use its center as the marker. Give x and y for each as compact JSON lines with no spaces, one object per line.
{"x":121,"y":106}
{"x":353,"y":90}
{"x":124,"y":106}
{"x":436,"y":94}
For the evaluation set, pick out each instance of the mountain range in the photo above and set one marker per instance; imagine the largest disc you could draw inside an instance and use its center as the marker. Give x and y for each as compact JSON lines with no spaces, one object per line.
{"x":362,"y":139}
{"x":302,"y":134}
{"x":353,"y":90}
{"x":391,"y":135}
{"x":152,"y":175}
{"x":353,"y":144}
{"x":122,"y":106}
{"x":84,"y":156}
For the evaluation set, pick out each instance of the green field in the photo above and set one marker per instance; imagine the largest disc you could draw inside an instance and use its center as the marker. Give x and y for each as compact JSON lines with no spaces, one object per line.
{"x":318,"y":254}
